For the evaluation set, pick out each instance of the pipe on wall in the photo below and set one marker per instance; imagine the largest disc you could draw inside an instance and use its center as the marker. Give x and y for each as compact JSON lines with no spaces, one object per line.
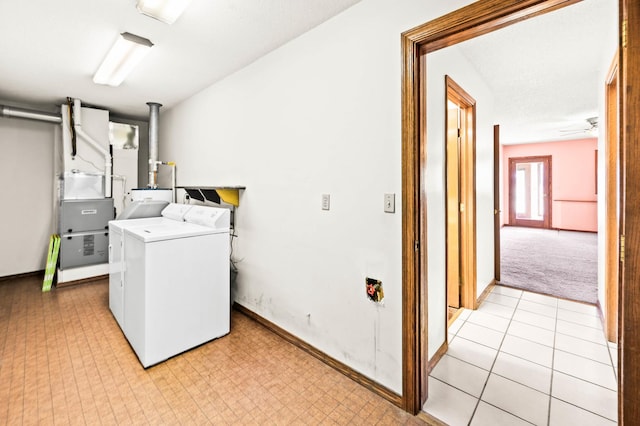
{"x":28,"y":114}
{"x":154,"y":112}
{"x":77,"y":114}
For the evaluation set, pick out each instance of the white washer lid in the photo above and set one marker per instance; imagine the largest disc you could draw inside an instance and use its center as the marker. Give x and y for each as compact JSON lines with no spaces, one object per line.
{"x":168,"y":230}
{"x":142,"y":209}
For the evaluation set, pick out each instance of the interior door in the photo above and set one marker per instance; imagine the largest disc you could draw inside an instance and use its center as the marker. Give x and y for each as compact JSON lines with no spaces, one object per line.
{"x":530,"y":191}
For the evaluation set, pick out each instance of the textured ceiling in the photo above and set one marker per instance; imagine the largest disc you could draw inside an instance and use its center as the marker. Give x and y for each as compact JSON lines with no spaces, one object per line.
{"x":50,"y":49}
{"x":547,"y":73}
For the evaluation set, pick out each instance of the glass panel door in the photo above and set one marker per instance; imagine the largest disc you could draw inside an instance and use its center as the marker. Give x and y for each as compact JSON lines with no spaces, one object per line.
{"x":530,"y":190}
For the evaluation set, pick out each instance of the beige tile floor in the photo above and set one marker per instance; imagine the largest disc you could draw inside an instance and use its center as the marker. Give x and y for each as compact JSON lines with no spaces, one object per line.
{"x":64,"y":360}
{"x":524,"y":358}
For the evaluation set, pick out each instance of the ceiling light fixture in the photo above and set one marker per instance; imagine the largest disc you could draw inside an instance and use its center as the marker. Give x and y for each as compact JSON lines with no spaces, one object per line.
{"x":124,"y":55}
{"x":167,"y":11}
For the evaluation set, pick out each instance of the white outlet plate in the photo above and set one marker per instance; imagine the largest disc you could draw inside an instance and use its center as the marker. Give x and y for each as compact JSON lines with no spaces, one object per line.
{"x":326,"y":201}
{"x":390,"y":203}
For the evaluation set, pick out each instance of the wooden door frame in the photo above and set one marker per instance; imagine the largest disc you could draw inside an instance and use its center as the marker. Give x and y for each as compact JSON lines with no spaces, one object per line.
{"x":451,"y":207}
{"x":546,"y":223}
{"x":467,"y":194}
{"x":496,"y":202}
{"x":611,"y":196}
{"x":479,"y":18}
{"x":629,"y":290}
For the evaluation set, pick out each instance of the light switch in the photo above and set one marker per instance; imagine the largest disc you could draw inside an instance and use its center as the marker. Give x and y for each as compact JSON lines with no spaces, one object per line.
{"x":390,"y":203}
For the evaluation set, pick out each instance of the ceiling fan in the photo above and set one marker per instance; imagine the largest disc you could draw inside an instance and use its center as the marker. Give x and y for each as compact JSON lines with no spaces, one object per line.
{"x":591,"y":128}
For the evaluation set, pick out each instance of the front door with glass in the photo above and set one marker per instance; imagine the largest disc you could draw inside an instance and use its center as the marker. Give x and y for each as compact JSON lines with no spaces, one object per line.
{"x":530,"y":191}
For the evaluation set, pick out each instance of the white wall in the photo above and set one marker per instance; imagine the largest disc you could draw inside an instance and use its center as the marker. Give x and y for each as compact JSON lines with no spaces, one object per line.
{"x":319,"y":115}
{"x":451,"y":62}
{"x":26,"y":219}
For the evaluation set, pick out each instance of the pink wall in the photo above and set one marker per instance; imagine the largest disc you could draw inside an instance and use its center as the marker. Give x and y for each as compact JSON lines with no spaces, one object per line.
{"x":573,"y":181}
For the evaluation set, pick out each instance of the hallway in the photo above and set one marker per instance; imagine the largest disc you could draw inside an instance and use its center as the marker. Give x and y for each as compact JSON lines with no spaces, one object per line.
{"x":524,"y":358}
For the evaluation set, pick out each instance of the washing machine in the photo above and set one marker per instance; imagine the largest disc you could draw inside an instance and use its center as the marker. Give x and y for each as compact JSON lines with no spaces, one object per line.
{"x":117,"y":266}
{"x":175,"y":289}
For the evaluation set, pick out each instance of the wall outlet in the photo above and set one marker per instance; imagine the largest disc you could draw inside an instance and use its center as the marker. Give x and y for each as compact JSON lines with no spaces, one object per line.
{"x":326,"y":201}
{"x":374,"y":289}
{"x":390,"y":203}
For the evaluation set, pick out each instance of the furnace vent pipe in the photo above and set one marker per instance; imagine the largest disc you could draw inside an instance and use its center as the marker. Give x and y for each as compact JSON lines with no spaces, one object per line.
{"x":77,"y":121}
{"x":14,"y":112}
{"x":154,"y":113}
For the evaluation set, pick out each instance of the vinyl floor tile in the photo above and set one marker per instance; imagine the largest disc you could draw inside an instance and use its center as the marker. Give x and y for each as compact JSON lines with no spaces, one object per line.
{"x":502,"y":299}
{"x":497,"y":309}
{"x":488,"y":320}
{"x":528,"y":350}
{"x":580,"y":331}
{"x":580,"y":318}
{"x":537,"y":308}
{"x":488,"y":415}
{"x":449,"y":404}
{"x":584,"y":348}
{"x":64,"y":360}
{"x":524,"y":372}
{"x":585,"y":369}
{"x":586,"y":395}
{"x":531,"y":332}
{"x":507,"y":291}
{"x":582,"y":308}
{"x":563,"y":414}
{"x":517,"y":399}
{"x":537,"y":320}
{"x":472,"y":352}
{"x":480,"y":334}
{"x":461,"y":375}
{"x":552,"y":366}
{"x":540,"y":298}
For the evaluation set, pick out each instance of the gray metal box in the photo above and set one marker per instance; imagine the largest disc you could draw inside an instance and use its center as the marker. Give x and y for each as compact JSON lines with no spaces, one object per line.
{"x":85,"y":215}
{"x":84,"y":248}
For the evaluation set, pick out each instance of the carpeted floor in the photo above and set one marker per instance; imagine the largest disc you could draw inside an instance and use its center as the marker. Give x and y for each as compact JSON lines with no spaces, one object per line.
{"x":560,"y":263}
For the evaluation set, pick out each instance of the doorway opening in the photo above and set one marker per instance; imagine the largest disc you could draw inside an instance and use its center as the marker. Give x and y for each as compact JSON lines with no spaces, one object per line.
{"x":476,"y":19}
{"x":530,"y":191}
{"x":460,"y":194}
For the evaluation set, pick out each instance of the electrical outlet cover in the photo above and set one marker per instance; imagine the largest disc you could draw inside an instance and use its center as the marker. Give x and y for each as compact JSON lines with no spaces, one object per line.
{"x":374,"y":290}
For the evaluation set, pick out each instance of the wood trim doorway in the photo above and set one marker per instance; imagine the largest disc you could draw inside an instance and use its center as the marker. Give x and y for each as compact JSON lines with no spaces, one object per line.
{"x":479,"y":18}
{"x":460,"y":208}
{"x":612,"y":197}
{"x":532,"y":177}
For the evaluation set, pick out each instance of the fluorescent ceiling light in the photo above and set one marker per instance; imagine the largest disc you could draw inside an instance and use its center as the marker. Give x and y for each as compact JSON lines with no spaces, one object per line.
{"x":125,"y":54}
{"x":167,"y":11}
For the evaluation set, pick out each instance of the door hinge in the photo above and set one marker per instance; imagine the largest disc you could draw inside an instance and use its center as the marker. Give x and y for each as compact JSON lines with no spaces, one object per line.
{"x":416,"y":245}
{"x":622,"y":248}
{"x":458,"y":132}
{"x":624,"y":34}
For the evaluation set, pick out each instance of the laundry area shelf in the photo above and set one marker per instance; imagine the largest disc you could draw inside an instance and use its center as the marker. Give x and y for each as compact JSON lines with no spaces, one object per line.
{"x":215,"y":194}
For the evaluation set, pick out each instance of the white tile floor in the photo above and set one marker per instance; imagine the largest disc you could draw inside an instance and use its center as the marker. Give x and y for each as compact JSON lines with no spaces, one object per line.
{"x":524,"y":358}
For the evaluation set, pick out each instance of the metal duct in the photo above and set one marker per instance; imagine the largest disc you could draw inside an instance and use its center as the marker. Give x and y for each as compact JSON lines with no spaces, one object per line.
{"x":154,"y":112}
{"x":14,"y":112}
